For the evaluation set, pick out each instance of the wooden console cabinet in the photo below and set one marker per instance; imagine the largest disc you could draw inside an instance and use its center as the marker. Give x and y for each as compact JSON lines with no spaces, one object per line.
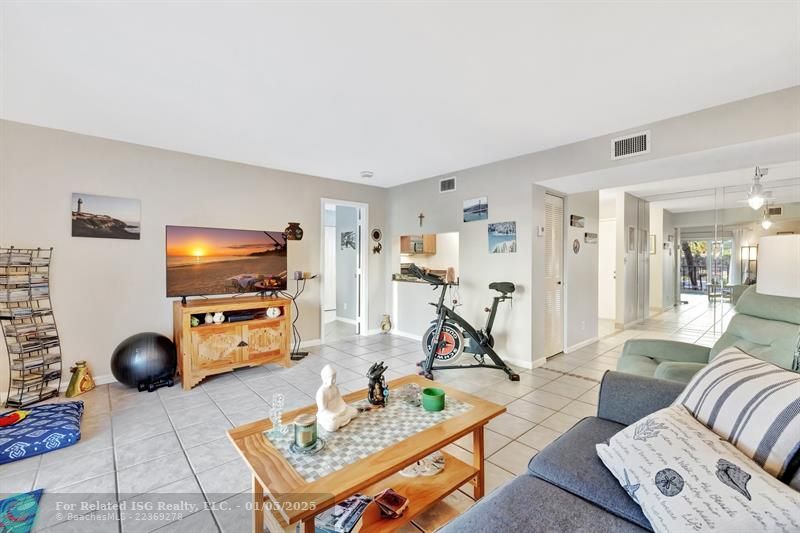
{"x":208,"y":349}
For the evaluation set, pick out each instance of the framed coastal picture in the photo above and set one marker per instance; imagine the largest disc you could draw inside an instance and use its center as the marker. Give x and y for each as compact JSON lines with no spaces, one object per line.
{"x":105,"y":217}
{"x":503,"y":238}
{"x":476,"y":209}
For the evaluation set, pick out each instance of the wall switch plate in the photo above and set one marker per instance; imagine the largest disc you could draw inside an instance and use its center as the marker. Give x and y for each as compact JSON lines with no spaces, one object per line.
{"x":540,"y":231}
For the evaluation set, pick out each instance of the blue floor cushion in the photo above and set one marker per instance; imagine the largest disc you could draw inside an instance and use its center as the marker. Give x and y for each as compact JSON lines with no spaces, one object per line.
{"x":46,"y":428}
{"x":18,"y":512}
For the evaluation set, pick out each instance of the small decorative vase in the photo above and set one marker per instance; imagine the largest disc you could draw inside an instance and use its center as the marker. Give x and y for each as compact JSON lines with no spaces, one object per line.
{"x":81,"y":380}
{"x":294,"y":232}
{"x":386,"y":324}
{"x":195,"y":321}
{"x":209,"y":319}
{"x":218,"y":318}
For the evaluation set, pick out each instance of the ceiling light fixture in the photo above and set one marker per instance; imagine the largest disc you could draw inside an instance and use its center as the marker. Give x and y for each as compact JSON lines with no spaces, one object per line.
{"x":755,"y":198}
{"x":366,"y":174}
{"x":766,"y":222}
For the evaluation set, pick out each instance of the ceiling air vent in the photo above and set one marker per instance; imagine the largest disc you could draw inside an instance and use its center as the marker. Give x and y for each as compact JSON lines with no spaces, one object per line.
{"x":447,"y":184}
{"x":631,"y":145}
{"x":775,"y":211}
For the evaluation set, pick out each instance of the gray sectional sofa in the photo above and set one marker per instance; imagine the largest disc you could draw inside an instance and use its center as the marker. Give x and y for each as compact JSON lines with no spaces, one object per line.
{"x":567,"y":488}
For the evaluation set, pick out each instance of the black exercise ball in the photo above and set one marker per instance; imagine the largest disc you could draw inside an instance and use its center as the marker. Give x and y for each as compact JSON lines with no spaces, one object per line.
{"x":145,"y":360}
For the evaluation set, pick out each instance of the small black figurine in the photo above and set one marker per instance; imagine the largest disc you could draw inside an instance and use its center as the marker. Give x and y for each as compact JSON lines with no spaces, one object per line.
{"x":377,"y":392}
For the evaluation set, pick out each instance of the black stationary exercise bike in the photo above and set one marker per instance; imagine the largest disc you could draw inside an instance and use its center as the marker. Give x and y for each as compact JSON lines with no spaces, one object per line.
{"x":450,"y":335}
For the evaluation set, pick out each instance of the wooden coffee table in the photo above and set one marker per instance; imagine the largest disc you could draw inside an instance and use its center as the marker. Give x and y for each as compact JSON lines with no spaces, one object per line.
{"x":282,"y":497}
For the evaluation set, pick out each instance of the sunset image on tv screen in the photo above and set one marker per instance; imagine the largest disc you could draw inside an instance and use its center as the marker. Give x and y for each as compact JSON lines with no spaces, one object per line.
{"x":220,"y":261}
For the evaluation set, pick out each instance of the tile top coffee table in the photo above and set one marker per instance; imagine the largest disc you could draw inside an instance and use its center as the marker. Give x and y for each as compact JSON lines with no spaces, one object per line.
{"x":364,"y":457}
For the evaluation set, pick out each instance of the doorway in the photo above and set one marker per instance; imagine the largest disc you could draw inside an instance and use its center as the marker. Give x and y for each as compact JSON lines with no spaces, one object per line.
{"x":553,"y":275}
{"x":343,"y":270}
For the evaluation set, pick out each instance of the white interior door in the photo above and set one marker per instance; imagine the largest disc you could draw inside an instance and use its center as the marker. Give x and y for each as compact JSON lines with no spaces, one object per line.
{"x":553,"y":275}
{"x":606,"y":272}
{"x":329,"y":297}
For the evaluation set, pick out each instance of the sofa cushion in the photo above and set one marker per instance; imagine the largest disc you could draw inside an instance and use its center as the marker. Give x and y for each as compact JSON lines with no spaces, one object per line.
{"x":752,"y":404}
{"x":571,"y":463}
{"x":532,"y":505}
{"x":688,"y":479}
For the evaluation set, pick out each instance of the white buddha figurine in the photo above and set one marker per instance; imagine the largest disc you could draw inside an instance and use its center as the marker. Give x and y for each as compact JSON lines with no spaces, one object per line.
{"x":332,"y":412}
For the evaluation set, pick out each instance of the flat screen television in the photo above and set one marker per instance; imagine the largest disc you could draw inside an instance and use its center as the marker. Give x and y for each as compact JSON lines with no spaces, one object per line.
{"x":204,"y":261}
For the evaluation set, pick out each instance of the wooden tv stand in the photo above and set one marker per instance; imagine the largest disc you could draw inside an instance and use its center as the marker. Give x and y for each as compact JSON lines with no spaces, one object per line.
{"x":209,"y":349}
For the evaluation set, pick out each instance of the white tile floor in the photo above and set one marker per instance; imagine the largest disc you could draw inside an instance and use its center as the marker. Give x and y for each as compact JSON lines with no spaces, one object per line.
{"x":142,"y":447}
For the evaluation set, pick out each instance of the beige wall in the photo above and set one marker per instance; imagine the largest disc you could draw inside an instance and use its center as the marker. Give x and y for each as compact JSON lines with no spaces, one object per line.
{"x":105,"y":290}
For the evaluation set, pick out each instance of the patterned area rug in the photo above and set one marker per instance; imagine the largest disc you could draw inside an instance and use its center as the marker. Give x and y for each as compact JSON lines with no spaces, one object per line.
{"x":368,"y":433}
{"x":18,"y":512}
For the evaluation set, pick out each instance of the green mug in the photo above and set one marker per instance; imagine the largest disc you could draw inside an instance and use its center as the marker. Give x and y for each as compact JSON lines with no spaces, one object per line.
{"x":432,"y":399}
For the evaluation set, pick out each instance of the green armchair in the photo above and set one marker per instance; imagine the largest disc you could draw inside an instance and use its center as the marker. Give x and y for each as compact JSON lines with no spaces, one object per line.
{"x":767,"y":327}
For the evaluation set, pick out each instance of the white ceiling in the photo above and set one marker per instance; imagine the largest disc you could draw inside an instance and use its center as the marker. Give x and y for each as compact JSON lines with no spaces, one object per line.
{"x":407,"y":90}
{"x":720,"y":190}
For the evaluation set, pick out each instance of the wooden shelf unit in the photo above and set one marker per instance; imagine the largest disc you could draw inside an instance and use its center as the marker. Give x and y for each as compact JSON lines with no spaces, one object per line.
{"x":209,"y":349}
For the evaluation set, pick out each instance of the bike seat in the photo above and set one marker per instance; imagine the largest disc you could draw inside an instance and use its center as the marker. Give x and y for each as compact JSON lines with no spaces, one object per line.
{"x":506,"y":287}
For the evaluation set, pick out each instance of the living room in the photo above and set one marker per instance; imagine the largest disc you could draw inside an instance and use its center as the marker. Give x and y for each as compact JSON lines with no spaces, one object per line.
{"x":235,"y":214}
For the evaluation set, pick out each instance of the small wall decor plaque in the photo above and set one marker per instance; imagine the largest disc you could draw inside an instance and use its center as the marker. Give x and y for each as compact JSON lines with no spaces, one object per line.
{"x":348,"y":240}
{"x":576,"y":221}
{"x":590,"y":238}
{"x":576,"y":246}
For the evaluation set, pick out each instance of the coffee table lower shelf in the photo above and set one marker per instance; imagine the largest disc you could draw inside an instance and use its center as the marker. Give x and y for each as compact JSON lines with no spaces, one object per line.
{"x":422,"y":492}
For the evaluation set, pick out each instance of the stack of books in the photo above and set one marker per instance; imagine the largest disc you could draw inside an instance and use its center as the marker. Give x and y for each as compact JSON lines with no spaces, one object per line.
{"x":344,"y":517}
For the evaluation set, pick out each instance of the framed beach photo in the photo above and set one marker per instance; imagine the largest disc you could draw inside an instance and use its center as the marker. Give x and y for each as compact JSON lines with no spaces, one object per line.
{"x":476,"y":209}
{"x":105,"y":217}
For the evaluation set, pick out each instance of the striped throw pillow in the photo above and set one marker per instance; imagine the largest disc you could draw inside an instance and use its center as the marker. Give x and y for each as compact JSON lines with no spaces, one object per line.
{"x":752,"y":404}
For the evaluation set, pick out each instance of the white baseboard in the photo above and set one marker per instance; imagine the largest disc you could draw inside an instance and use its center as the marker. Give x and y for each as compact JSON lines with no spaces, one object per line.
{"x":581,"y":344}
{"x":312,"y":342}
{"x":411,"y":336}
{"x":522,"y":363}
{"x":372,"y":332}
{"x":629,"y":324}
{"x":346,"y":320}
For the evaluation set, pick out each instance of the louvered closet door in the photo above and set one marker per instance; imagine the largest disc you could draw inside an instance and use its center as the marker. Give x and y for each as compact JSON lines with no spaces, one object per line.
{"x":553,"y":275}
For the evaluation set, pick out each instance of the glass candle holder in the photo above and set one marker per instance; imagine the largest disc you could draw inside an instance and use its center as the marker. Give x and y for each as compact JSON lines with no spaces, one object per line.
{"x":305,"y":431}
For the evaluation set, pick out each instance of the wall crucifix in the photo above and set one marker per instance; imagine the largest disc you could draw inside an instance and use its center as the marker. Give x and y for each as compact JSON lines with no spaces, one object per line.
{"x":420,"y":217}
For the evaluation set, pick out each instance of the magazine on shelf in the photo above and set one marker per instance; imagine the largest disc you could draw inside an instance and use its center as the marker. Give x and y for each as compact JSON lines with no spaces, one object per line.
{"x":31,"y":362}
{"x":15,"y":398}
{"x":343,"y":517}
{"x":23,"y":312}
{"x":23,"y":279}
{"x":36,"y":379}
{"x":23,"y":294}
{"x":22,"y":259}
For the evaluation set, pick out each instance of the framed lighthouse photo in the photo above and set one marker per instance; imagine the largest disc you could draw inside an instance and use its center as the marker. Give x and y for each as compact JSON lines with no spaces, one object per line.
{"x":105,"y":217}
